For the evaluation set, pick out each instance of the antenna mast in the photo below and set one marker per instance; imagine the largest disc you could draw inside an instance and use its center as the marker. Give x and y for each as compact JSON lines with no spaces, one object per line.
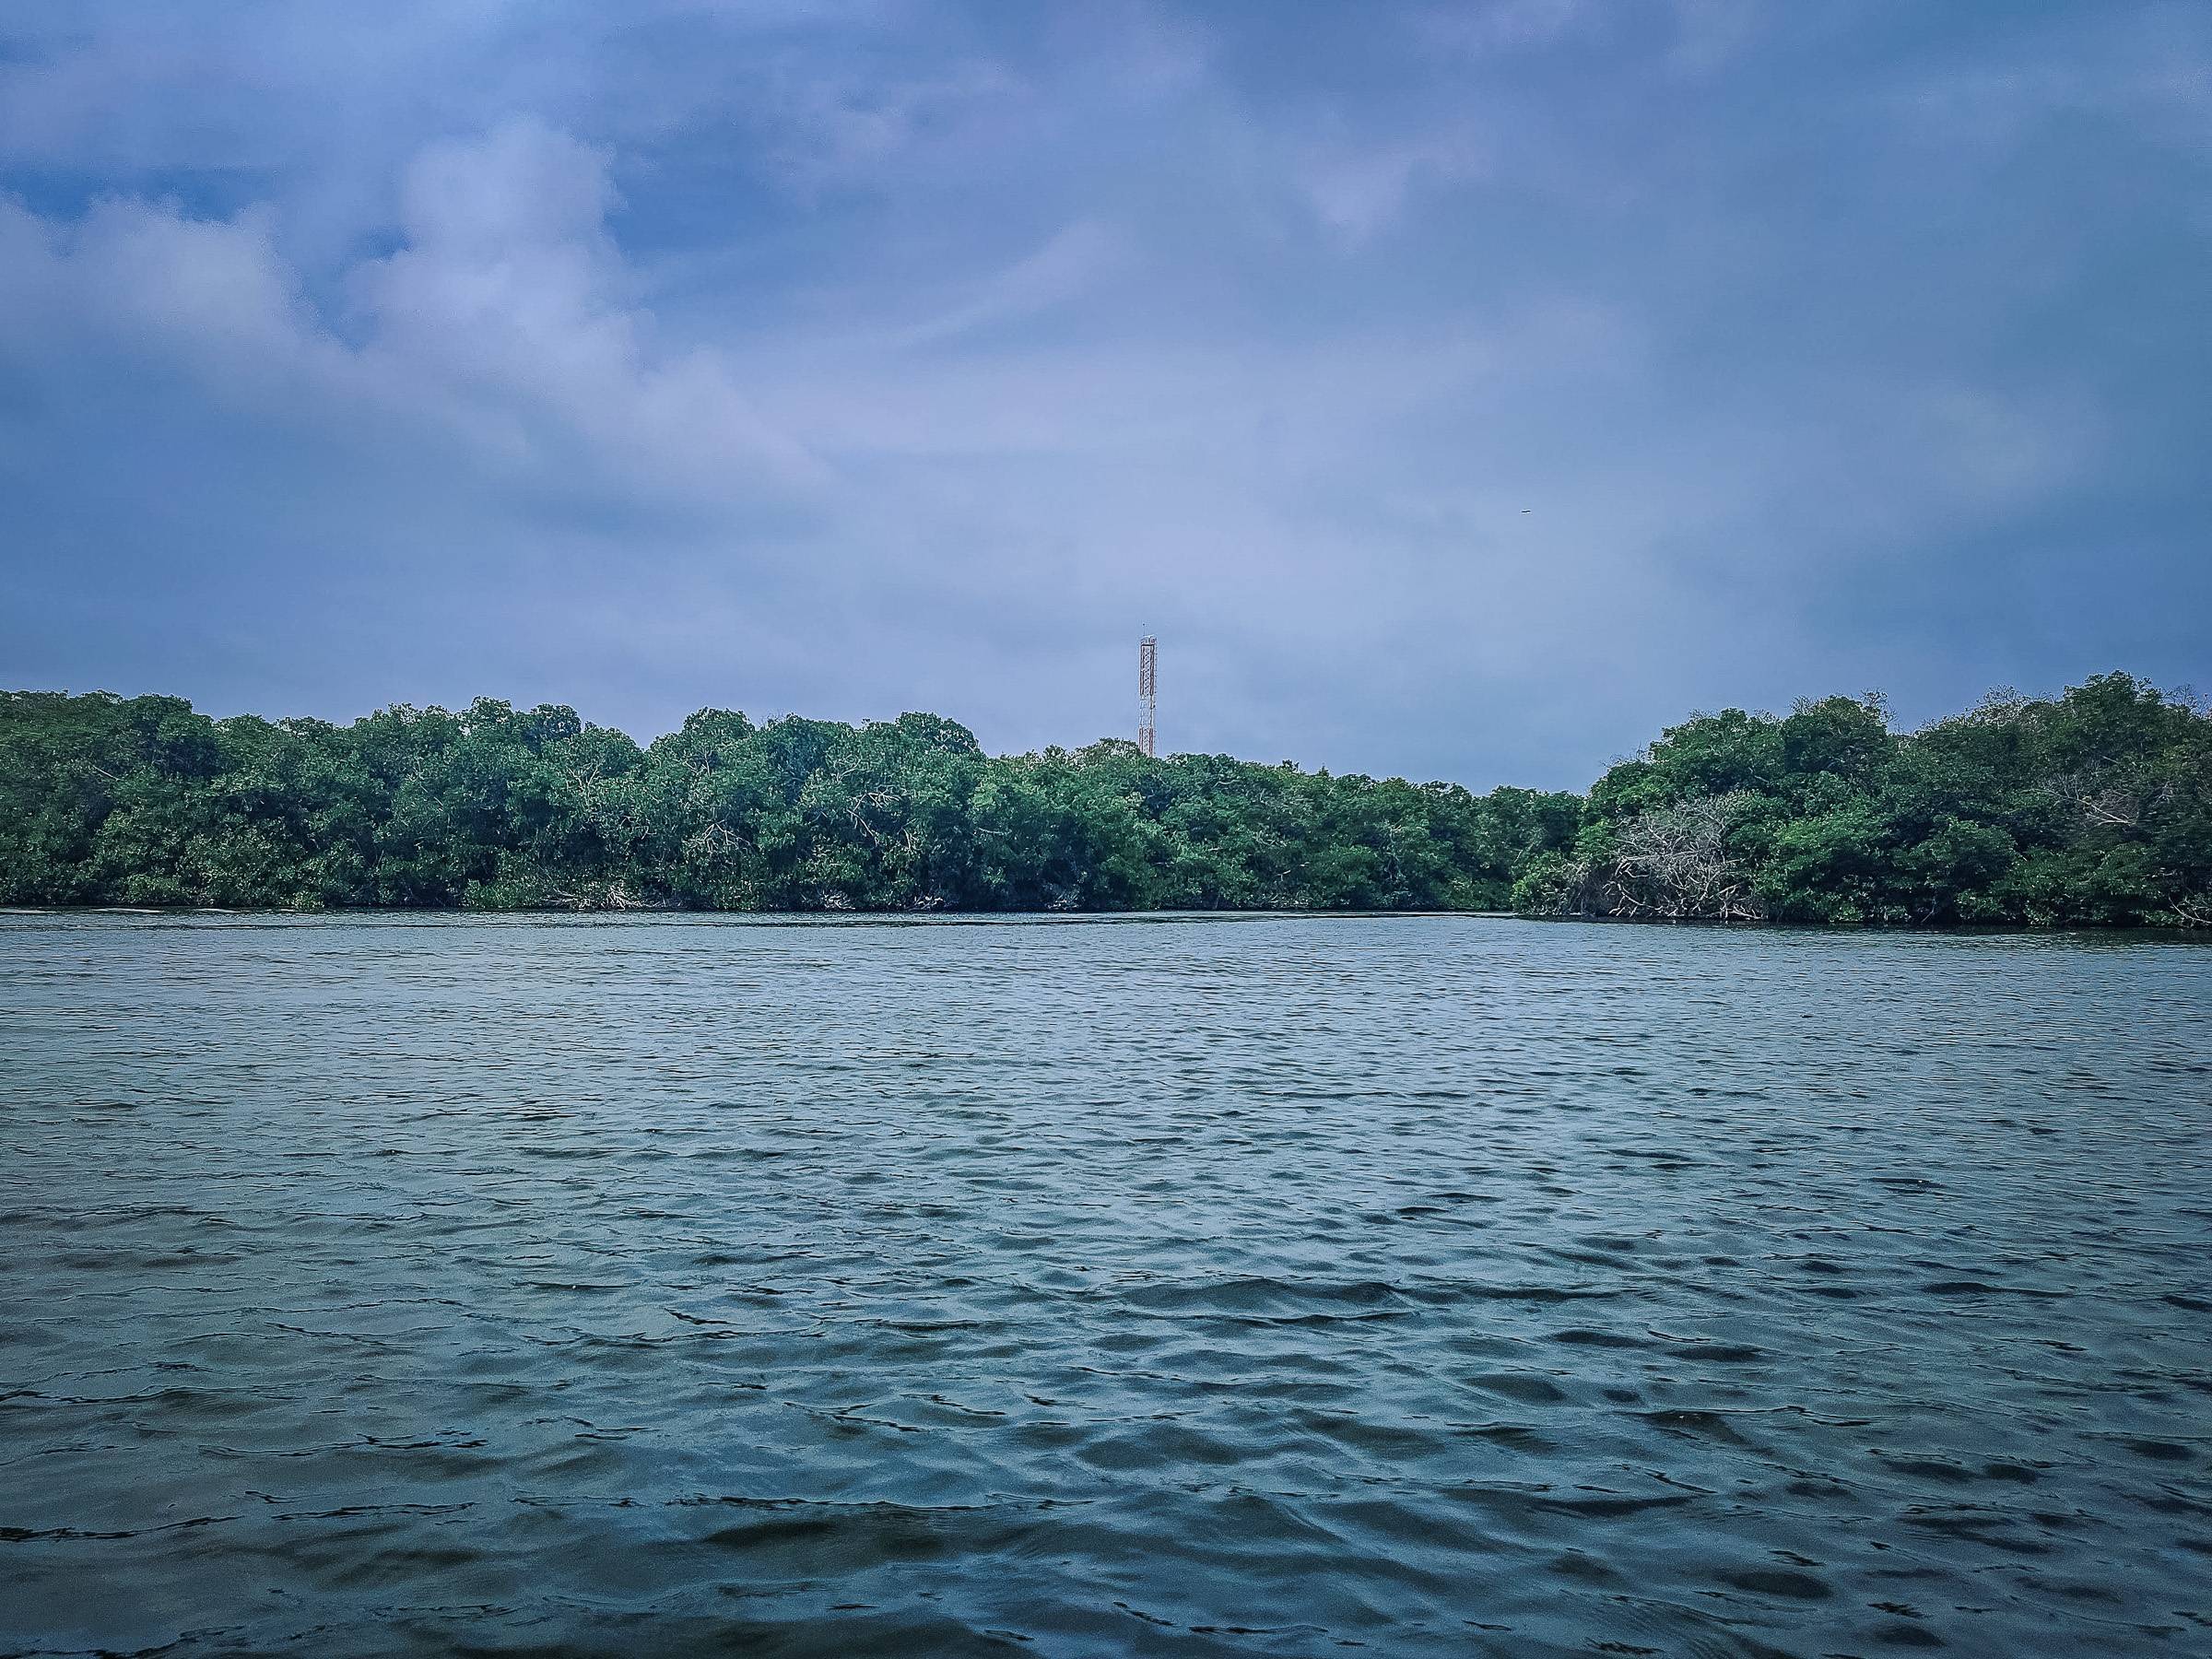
{"x":1148,"y":650}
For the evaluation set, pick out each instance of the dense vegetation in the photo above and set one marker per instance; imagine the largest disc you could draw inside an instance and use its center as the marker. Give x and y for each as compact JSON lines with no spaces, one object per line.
{"x":104,"y":800}
{"x":2095,"y":808}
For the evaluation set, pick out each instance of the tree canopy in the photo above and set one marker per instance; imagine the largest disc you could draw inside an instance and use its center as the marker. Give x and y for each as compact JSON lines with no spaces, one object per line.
{"x":141,"y":801}
{"x":2094,"y":808}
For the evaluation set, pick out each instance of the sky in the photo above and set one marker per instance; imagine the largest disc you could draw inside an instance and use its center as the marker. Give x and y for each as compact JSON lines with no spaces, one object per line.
{"x":1458,"y":391}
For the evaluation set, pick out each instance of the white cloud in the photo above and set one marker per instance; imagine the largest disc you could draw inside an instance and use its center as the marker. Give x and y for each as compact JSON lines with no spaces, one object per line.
{"x":1071,"y":262}
{"x":1361,"y":189}
{"x":511,"y":298}
{"x":506,"y":319}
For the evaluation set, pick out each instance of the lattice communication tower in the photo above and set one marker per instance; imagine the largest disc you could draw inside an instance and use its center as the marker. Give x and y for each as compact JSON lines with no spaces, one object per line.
{"x":1147,"y":653}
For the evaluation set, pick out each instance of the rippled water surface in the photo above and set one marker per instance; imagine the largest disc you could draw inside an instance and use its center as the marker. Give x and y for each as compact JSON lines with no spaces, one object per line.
{"x":1237,"y":1287}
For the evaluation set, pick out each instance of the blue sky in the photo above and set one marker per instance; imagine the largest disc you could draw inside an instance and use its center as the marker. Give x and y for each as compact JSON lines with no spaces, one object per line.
{"x":1458,"y":390}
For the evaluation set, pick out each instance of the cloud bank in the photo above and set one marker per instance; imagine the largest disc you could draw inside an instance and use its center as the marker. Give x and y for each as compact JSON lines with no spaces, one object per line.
{"x":1460,"y":391}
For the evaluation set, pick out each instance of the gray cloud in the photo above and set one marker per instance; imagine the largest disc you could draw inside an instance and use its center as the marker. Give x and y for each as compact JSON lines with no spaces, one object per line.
{"x":1459,"y":391}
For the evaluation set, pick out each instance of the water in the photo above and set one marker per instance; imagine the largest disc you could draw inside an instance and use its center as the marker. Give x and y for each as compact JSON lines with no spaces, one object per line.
{"x":1434,"y":1285}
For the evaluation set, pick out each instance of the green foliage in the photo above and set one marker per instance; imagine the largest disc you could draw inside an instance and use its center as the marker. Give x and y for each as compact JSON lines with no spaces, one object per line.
{"x":144,"y":801}
{"x":2091,"y":809}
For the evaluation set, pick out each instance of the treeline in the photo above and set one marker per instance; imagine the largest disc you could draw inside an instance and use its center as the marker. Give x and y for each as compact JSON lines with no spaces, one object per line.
{"x":2091,"y":810}
{"x":2095,"y":808}
{"x":145,"y":802}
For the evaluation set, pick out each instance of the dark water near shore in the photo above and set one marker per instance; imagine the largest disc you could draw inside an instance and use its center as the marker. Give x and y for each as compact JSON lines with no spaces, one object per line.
{"x":1256,"y":1287}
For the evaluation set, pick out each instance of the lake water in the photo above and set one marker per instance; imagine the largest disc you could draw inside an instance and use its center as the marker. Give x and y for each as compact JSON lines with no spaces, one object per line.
{"x":1132,"y":1285}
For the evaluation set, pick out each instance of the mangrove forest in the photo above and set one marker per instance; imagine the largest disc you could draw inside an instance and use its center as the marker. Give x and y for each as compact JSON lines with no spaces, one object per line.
{"x":2090,"y":810}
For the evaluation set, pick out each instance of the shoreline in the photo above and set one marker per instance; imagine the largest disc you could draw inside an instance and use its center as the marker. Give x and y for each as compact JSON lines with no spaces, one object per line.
{"x":952,"y":918}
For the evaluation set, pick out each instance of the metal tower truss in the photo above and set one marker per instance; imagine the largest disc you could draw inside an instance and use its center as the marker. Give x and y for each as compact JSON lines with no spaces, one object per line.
{"x":1147,"y":653}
